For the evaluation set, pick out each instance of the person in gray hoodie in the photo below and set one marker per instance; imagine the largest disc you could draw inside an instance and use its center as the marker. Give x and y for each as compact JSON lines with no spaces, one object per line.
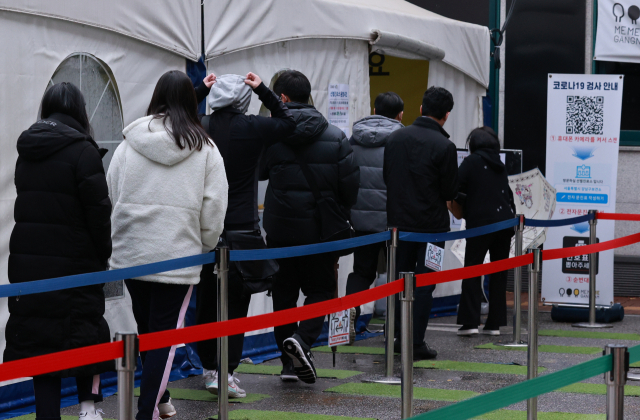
{"x":369,"y":215}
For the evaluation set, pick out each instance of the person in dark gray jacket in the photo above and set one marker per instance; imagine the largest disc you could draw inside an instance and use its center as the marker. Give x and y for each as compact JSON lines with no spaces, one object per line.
{"x":369,"y":214}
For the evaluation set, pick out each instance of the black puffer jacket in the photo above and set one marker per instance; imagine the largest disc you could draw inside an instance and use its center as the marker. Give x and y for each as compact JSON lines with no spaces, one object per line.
{"x":62,"y":214}
{"x":289,"y":205}
{"x":421,"y":173}
{"x":484,"y":179}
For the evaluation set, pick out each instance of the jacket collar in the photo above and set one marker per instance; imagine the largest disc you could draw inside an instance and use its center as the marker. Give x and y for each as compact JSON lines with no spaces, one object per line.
{"x":75,"y":125}
{"x":431,"y":124}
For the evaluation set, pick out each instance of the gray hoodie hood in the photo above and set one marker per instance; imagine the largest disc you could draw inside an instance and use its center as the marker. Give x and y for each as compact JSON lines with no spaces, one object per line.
{"x":148,"y":137}
{"x":374,"y":130}
{"x":230,"y":90}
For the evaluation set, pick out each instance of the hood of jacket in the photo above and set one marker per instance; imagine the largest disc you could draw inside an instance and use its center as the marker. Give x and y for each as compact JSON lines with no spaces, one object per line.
{"x":373,"y":131}
{"x":230,"y":90}
{"x":310,"y":124}
{"x":491,"y":158}
{"x":150,"y":138}
{"x":49,"y":135}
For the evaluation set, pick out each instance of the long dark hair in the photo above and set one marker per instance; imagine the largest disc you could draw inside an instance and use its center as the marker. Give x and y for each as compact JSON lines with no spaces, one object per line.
{"x":65,"y":98}
{"x":175,"y":99}
{"x":483,"y":138}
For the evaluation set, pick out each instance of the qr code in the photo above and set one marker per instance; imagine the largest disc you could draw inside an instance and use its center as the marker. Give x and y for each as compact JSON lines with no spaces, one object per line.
{"x":584,"y":114}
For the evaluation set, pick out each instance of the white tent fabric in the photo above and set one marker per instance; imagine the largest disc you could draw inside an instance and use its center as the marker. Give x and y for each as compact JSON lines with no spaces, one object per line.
{"x":171,"y":25}
{"x":33,"y":48}
{"x":231,"y":26}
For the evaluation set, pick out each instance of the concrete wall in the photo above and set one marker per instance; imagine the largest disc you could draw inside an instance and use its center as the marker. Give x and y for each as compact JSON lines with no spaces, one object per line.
{"x":628,"y":196}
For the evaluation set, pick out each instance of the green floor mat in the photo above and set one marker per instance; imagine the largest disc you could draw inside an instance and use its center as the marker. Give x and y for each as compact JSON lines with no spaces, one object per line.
{"x":598,"y":389}
{"x":351,"y":350}
{"x":275,"y":370}
{"x":383,"y":390}
{"x":203,"y":395}
{"x":473,"y":367}
{"x":589,"y":334}
{"x":377,"y":321}
{"x":522,"y":415}
{"x":547,"y":348}
{"x":283,"y":415}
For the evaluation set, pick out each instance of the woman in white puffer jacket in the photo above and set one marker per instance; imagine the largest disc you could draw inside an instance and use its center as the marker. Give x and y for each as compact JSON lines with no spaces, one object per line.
{"x":169,"y":190}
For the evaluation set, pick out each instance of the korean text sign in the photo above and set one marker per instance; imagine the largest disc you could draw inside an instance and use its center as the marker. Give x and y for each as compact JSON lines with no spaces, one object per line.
{"x":583,"y":138}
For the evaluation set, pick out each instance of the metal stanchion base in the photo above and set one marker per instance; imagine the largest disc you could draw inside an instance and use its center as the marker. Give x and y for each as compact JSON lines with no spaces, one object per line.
{"x":633,"y":376}
{"x":512,"y":344}
{"x":389,"y":380}
{"x":588,"y":325}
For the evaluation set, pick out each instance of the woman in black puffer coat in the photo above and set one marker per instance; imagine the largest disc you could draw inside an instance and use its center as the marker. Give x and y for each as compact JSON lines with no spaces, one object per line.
{"x":489,"y":199}
{"x":62,"y":214}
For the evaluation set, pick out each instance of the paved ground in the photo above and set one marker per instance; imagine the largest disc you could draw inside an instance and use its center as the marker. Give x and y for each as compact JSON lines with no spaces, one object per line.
{"x":302,"y":398}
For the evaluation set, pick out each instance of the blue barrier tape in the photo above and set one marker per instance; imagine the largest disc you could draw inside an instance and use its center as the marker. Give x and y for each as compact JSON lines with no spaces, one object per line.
{"x":559,"y":222}
{"x":461,"y":234}
{"x":88,"y":279}
{"x":298,"y":251}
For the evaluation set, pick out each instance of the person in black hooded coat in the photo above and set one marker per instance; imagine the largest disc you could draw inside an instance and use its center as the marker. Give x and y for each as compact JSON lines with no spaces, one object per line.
{"x":489,"y":199}
{"x":62,"y":214}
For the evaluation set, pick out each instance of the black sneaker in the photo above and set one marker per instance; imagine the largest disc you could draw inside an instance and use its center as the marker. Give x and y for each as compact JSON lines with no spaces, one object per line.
{"x":302,"y":359}
{"x":288,"y":374}
{"x":423,"y":352}
{"x":467,"y":330}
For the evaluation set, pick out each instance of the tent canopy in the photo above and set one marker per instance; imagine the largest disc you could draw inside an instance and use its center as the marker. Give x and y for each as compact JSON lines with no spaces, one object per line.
{"x":171,"y":25}
{"x":396,"y":26}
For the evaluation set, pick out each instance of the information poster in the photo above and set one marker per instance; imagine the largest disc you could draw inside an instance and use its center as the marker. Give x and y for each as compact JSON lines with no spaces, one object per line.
{"x":583,"y":138}
{"x":338,"y":113}
{"x":339,"y":328}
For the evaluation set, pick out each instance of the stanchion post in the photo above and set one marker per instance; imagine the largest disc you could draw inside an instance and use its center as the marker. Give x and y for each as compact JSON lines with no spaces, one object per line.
{"x":593,"y":269}
{"x":532,"y":351}
{"x":406,"y":302}
{"x":126,"y":368}
{"x":517,"y":289}
{"x":616,"y":380}
{"x":222,"y":266}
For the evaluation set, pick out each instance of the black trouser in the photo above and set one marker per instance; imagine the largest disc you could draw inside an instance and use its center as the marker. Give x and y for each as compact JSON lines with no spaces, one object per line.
{"x":365,"y":268}
{"x":157,"y":307}
{"x":47,"y":391}
{"x":315,"y":276}
{"x":410,"y":257}
{"x":207,"y":311}
{"x":498,"y":244}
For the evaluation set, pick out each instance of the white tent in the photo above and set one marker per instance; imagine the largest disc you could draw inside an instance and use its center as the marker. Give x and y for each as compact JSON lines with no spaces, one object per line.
{"x":115,"y":51}
{"x":330,"y":41}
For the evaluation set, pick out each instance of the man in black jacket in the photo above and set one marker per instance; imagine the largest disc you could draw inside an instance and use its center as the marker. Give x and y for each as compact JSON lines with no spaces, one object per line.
{"x":421,"y":173}
{"x":241,"y":140}
{"x":290,"y":215}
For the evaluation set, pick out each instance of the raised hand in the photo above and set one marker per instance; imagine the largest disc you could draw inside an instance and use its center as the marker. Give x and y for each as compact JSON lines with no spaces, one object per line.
{"x":210,"y":80}
{"x":253,"y":80}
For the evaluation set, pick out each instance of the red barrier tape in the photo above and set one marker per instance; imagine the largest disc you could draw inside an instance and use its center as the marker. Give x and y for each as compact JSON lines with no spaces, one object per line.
{"x":94,"y":354}
{"x":618,"y":216}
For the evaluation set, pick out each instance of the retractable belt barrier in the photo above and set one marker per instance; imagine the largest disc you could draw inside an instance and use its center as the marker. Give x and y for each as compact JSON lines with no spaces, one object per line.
{"x":99,"y":353}
{"x":88,"y":279}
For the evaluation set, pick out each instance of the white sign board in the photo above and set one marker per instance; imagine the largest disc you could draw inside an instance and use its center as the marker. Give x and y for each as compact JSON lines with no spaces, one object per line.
{"x":583,"y":137}
{"x":434,"y":256}
{"x":618,"y":31}
{"x":339,"y":328}
{"x":338,"y":113}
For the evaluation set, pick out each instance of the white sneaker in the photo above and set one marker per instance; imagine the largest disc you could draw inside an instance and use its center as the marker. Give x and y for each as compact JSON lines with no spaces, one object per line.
{"x":211,"y":383}
{"x":166,"y":410}
{"x":234,"y":390}
{"x":96,"y":415}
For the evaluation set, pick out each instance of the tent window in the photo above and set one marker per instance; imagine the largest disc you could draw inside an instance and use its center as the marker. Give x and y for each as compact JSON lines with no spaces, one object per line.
{"x":96,"y":81}
{"x":263,"y":109}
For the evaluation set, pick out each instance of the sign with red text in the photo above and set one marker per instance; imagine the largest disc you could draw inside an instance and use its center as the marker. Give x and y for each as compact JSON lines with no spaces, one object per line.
{"x":583,"y":138}
{"x":339,"y":328}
